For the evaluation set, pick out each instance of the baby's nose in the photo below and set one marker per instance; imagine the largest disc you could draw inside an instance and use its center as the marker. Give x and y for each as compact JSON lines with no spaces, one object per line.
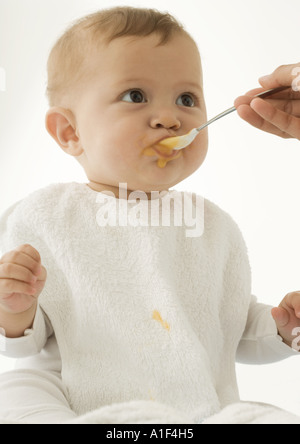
{"x":165,"y":119}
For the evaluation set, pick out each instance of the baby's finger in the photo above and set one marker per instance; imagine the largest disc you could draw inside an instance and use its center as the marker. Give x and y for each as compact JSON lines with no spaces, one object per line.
{"x":18,"y":272}
{"x":42,"y":275}
{"x":286,"y":123}
{"x":292,"y":300}
{"x":11,"y":286}
{"x":30,"y":251}
{"x":22,"y":259}
{"x":280,"y":316}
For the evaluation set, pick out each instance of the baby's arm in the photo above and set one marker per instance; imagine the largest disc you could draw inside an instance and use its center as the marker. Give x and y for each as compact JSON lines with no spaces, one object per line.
{"x":22,"y":279}
{"x":261,"y":343}
{"x":287,"y":317}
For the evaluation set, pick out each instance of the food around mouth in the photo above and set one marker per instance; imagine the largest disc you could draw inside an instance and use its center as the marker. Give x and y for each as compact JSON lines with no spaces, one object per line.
{"x":165,"y":154}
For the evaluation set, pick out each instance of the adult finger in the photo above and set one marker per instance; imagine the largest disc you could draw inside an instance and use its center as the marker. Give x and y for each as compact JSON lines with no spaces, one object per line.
{"x":288,"y":96}
{"x":286,"y":123}
{"x":247,"y":97}
{"x":285,"y":75}
{"x":250,"y":116}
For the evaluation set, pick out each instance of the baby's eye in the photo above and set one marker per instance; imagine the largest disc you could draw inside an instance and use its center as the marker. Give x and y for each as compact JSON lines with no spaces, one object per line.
{"x":186,"y":100}
{"x":134,"y":96}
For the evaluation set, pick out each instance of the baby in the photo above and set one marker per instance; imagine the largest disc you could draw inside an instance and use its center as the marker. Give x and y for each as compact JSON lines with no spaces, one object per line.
{"x":115,"y":312}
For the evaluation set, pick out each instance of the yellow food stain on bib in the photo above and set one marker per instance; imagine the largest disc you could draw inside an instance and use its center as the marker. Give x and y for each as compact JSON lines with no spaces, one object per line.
{"x":157,"y":317}
{"x":150,"y":395}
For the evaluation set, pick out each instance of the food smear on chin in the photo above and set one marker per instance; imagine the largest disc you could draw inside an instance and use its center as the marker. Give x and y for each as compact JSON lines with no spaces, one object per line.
{"x":161,"y":152}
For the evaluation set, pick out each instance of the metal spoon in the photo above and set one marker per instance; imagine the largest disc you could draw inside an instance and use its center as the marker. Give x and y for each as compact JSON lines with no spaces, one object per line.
{"x":180,"y":142}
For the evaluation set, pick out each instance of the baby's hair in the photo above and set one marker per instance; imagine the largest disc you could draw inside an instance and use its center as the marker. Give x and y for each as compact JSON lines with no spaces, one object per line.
{"x":66,"y":63}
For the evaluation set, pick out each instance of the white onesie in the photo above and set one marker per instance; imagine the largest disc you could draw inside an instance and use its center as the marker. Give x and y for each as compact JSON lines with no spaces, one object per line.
{"x":140,"y":312}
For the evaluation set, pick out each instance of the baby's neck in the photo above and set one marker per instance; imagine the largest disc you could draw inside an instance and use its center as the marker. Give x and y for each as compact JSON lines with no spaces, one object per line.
{"x":115,"y":190}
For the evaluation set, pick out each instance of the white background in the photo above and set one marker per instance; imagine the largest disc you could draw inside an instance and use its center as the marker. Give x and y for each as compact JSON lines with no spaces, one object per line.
{"x":252,"y":175}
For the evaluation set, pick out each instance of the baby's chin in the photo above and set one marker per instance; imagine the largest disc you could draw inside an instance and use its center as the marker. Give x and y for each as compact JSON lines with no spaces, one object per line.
{"x":163,"y":172}
{"x":162,"y":176}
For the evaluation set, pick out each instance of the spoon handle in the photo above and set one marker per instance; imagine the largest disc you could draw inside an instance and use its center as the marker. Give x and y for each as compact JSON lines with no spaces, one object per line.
{"x":262,"y":95}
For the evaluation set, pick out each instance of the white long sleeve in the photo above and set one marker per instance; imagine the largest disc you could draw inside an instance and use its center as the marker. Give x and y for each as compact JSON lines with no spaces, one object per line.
{"x":261,"y":343}
{"x":33,"y":341}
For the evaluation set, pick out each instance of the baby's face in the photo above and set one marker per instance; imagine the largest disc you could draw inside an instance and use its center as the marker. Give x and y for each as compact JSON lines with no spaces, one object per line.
{"x":138,"y":94}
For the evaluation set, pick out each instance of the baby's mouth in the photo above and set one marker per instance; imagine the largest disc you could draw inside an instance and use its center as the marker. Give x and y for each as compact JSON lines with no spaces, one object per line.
{"x":164,"y":154}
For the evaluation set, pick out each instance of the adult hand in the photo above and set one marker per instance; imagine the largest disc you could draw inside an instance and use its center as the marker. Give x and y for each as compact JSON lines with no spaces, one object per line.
{"x":280,"y":113}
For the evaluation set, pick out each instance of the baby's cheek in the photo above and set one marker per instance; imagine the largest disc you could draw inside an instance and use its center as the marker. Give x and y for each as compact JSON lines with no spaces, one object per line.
{"x":124,"y":159}
{"x":197,"y":153}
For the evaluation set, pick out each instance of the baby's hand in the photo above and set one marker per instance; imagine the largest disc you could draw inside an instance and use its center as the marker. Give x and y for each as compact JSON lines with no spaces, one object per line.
{"x":22,"y":279}
{"x":287,"y":317}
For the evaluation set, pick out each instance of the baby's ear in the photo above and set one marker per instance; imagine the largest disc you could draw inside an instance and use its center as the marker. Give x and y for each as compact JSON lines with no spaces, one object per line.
{"x":61,"y":125}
